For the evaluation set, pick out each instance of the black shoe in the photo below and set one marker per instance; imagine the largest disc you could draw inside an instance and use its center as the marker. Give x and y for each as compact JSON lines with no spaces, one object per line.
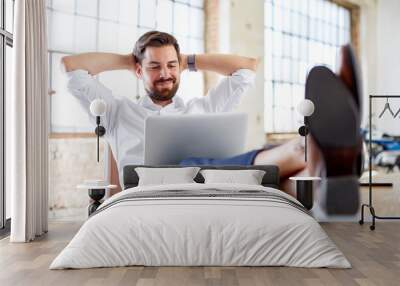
{"x":335,"y":128}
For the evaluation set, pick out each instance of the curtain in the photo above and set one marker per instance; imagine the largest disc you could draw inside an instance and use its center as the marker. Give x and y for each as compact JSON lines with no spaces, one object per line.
{"x":29,"y":123}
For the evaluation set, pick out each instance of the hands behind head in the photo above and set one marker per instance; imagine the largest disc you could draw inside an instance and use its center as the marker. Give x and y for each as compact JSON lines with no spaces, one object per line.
{"x":130,"y":62}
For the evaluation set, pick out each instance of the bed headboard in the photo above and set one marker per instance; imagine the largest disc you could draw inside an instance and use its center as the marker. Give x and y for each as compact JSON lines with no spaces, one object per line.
{"x":270,"y":179}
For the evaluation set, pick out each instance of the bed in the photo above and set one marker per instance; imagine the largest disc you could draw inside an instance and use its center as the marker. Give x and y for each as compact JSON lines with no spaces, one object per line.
{"x":198,"y":224}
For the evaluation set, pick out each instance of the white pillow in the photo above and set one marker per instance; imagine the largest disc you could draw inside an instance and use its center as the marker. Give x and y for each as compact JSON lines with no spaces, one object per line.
{"x":165,"y":176}
{"x":248,"y":177}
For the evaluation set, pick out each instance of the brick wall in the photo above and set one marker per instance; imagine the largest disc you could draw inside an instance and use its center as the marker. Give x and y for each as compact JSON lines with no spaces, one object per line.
{"x":71,"y":161}
{"x":211,"y":37}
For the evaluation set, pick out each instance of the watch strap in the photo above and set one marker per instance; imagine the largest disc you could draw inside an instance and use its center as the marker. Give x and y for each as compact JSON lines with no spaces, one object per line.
{"x":191,"y":62}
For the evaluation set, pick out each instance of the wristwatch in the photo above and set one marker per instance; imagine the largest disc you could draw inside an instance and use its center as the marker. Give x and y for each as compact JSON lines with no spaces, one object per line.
{"x":191,"y":62}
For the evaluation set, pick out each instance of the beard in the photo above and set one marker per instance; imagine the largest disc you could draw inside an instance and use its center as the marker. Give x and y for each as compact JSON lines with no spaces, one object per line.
{"x":164,"y":94}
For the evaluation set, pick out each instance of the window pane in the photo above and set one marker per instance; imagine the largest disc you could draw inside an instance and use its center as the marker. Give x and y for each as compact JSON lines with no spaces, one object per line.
{"x":312,"y":11}
{"x":126,"y":38}
{"x":197,"y":3}
{"x":303,"y":49}
{"x":297,"y":93}
{"x":276,"y":69}
{"x":196,"y":23}
{"x":65,"y":6}
{"x":295,"y":71}
{"x":164,"y":16}
{"x":304,"y":6}
{"x":147,"y":13}
{"x":128,"y":11}
{"x":268,"y":105}
{"x":109,"y":9}
{"x":313,"y":29}
{"x":341,"y":17}
{"x":196,"y":46}
{"x":295,"y":25}
{"x":108,"y":36}
{"x":8,"y":83}
{"x":283,"y":119}
{"x":295,"y":48}
{"x":86,"y":7}
{"x":181,"y":19}
{"x":303,"y":26}
{"x":277,"y":44}
{"x":283,"y":95}
{"x":286,"y":20}
{"x":85,"y":34}
{"x":286,"y":74}
{"x":286,"y":49}
{"x":277,"y":18}
{"x":183,"y":44}
{"x":61,"y":32}
{"x":302,"y":71}
{"x":9,"y":15}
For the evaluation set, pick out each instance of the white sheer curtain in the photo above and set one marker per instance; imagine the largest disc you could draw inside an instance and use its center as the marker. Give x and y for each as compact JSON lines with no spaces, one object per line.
{"x":28,"y":123}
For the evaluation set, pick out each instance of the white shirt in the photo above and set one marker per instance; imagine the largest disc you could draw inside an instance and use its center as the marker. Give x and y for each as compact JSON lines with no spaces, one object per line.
{"x":124,"y":119}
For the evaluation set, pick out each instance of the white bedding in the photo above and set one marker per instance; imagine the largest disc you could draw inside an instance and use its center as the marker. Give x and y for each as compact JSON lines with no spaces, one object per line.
{"x":183,"y":231}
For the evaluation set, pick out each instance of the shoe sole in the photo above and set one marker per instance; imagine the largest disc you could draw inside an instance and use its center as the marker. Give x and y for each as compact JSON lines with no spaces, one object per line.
{"x":334,"y":126}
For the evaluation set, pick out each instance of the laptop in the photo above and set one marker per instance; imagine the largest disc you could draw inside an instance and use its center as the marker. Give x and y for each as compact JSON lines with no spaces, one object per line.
{"x":170,"y":139}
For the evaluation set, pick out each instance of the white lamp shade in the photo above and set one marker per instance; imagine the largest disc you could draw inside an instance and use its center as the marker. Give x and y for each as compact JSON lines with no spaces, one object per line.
{"x":98,"y":107}
{"x":305,"y":107}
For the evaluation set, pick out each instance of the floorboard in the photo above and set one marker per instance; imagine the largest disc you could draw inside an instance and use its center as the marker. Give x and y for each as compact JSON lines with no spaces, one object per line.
{"x":374,"y":255}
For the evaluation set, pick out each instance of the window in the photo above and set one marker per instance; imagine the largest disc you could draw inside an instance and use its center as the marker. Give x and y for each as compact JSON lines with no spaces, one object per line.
{"x":6,"y":43}
{"x":298,"y":36}
{"x":113,"y":26}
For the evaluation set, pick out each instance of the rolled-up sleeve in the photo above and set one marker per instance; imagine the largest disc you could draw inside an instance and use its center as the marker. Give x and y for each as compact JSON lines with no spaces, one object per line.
{"x":227,"y":93}
{"x":86,"y":88}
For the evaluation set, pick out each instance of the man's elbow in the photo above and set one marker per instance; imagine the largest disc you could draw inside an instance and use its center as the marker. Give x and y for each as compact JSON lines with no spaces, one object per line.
{"x":66,"y":63}
{"x":253,"y":63}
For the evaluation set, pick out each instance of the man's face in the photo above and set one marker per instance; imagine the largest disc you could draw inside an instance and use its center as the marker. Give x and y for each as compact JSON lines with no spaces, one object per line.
{"x":160,"y":72}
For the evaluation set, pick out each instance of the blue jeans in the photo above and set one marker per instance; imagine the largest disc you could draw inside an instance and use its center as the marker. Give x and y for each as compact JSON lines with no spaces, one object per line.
{"x":245,"y":159}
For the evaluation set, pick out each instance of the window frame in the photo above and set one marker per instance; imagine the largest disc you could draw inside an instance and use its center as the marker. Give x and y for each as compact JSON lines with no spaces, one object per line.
{"x":354,"y":11}
{"x":6,"y":39}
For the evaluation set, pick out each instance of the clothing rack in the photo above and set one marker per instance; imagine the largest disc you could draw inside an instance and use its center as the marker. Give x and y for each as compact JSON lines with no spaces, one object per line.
{"x":369,"y":205}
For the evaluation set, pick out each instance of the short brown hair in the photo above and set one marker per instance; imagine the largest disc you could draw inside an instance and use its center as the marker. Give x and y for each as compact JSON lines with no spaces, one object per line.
{"x":154,"y":39}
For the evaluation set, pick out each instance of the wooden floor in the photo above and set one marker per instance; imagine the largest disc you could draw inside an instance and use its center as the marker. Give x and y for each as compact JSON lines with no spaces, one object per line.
{"x":375,"y":257}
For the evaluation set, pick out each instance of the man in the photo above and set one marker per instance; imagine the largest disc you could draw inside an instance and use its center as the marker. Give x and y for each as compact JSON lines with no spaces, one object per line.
{"x":157,"y":61}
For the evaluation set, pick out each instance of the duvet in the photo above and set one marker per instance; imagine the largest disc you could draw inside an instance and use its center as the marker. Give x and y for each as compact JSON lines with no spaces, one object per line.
{"x":201,"y":224}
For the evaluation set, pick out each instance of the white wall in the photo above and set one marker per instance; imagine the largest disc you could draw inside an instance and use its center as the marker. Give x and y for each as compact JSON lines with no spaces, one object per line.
{"x":388,"y":60}
{"x":379,"y":57}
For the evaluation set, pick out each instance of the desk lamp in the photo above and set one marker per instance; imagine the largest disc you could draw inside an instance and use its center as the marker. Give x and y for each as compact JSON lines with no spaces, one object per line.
{"x":98,"y":108}
{"x":305,"y":108}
